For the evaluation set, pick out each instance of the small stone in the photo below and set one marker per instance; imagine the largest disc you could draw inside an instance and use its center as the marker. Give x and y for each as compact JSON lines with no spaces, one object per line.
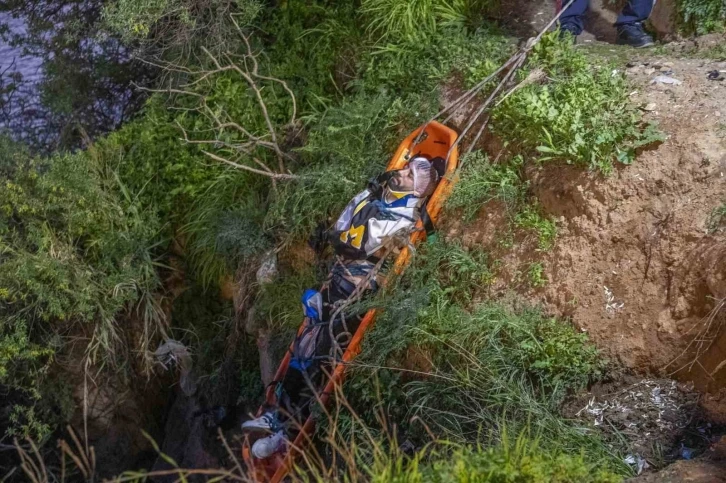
{"x":650,"y":107}
{"x":649,"y":71}
{"x":664,"y":79}
{"x":267,"y":273}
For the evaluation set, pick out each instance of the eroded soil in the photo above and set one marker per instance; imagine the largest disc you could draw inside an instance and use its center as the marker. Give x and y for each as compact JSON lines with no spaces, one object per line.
{"x":638,"y":263}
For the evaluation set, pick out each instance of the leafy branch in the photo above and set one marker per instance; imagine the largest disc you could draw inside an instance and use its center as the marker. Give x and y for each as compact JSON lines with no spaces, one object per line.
{"x":250,"y":150}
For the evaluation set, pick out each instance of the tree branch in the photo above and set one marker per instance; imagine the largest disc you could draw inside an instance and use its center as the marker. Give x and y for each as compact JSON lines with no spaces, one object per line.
{"x":252,"y":170}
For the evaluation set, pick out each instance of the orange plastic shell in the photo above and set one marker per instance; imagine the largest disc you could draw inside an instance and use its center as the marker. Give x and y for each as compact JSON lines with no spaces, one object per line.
{"x":436,"y":141}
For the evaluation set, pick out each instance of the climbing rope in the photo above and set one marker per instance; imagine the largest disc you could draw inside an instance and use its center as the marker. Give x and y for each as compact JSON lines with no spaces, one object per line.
{"x":507,"y":72}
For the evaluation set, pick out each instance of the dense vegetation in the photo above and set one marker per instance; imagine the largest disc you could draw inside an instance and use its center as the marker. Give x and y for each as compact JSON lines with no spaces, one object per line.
{"x":702,"y":16}
{"x":263,"y":120}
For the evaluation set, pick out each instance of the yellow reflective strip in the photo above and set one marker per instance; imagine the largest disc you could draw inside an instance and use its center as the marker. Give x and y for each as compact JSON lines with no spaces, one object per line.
{"x":360,"y":207}
{"x":399,"y":194}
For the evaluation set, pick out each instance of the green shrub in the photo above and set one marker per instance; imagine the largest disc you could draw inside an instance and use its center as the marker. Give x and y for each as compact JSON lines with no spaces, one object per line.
{"x":417,"y":20}
{"x":702,"y":16}
{"x":482,"y":181}
{"x":453,"y":52}
{"x":522,"y":461}
{"x":580,"y":113}
{"x":172,"y":28}
{"x":224,"y":226}
{"x":76,"y":252}
{"x":492,"y":364}
{"x":521,"y":342}
{"x":432,"y":307}
{"x":155,"y":165}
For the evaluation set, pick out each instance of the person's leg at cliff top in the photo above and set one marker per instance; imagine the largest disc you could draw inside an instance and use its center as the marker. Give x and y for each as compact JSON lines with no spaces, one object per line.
{"x":629,"y":23}
{"x":572,"y":21}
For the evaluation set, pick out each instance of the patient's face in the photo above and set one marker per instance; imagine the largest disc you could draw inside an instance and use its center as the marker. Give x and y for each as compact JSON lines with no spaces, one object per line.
{"x":402,"y":180}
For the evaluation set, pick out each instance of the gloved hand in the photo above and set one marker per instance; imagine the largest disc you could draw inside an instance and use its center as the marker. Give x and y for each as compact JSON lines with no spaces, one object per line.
{"x":376,"y":185}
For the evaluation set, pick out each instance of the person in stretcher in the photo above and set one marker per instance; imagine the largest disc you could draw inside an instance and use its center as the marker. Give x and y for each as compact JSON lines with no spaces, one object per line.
{"x":389,"y":207}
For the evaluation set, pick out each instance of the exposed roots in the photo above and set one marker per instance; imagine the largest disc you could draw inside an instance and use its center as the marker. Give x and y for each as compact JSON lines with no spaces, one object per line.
{"x":709,"y":330}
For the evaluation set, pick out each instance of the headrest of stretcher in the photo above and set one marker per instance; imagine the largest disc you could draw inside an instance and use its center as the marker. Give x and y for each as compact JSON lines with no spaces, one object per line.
{"x":438,"y":163}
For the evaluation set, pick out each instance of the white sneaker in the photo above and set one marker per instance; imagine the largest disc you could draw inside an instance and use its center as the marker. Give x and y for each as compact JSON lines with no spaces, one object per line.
{"x":266,"y":447}
{"x":266,"y":422}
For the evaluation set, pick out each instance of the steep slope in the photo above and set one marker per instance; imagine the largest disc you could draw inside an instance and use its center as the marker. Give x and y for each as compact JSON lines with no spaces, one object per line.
{"x":640,"y":258}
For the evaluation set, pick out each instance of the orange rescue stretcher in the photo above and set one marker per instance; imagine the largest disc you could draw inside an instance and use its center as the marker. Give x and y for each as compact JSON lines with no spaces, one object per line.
{"x":436,"y":141}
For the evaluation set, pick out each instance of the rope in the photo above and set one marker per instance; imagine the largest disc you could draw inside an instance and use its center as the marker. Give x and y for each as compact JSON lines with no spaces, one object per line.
{"x":512,"y":64}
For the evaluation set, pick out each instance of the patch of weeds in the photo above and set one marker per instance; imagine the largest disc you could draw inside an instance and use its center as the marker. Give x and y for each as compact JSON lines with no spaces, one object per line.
{"x":546,"y":229}
{"x":278,"y":303}
{"x":535,"y":275}
{"x":224,"y":230}
{"x":717,"y":52}
{"x":251,"y":387}
{"x":483,"y":180}
{"x":445,"y":323}
{"x":506,"y":238}
{"x":573,"y":111}
{"x":441,"y":274}
{"x":717,"y":219}
{"x":314,"y":46}
{"x":495,"y":366}
{"x":702,"y":16}
{"x":431,"y":62}
{"x":523,"y":460}
{"x":415,"y":21}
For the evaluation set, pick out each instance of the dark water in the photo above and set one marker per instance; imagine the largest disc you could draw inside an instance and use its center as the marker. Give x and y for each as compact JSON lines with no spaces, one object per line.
{"x":21,"y":115}
{"x":93,"y":93}
{"x":12,"y":58}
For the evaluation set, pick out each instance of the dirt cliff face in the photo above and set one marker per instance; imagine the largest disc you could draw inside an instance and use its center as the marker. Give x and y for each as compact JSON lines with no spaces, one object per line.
{"x":638,"y":264}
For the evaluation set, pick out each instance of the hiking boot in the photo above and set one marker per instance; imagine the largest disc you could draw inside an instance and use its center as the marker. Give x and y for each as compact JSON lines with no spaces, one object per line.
{"x":266,"y":422}
{"x":266,"y":447}
{"x":632,"y":34}
{"x":569,"y":32}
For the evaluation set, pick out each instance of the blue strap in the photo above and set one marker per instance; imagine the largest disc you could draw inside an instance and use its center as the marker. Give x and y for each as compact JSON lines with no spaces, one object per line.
{"x":384,"y":208}
{"x":309,"y":303}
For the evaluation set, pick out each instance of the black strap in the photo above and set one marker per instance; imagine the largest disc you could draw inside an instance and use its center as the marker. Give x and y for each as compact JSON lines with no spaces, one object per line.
{"x":426,"y":220}
{"x":439,"y":165}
